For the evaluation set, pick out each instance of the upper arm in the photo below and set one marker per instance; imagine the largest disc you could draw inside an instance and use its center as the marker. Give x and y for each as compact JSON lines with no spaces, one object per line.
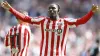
{"x":71,"y":22}
{"x":21,"y":16}
{"x":81,"y":20}
{"x":32,"y":20}
{"x":37,"y":20}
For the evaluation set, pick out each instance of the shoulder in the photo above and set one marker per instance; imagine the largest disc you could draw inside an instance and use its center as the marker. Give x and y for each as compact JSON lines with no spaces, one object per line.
{"x":39,"y":17}
{"x":25,"y":27}
{"x":70,"y":19}
{"x":12,"y":27}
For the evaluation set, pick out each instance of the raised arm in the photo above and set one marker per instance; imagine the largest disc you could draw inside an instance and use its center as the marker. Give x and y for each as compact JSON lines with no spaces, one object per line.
{"x":85,"y":18}
{"x":19,"y":15}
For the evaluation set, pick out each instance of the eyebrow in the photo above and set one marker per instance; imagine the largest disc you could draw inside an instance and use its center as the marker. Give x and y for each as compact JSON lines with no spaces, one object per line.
{"x":52,"y":7}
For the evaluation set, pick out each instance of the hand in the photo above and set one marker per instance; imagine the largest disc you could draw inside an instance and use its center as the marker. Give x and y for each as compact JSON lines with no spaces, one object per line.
{"x":94,"y":8}
{"x":6,"y":5}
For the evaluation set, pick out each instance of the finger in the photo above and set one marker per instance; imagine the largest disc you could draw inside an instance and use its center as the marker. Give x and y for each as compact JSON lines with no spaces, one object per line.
{"x":97,"y":8}
{"x":6,"y":2}
{"x":93,"y":5}
{"x":2,"y":4}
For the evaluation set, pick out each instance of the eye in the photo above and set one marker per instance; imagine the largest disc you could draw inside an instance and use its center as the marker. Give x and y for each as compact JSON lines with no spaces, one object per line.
{"x":52,"y":8}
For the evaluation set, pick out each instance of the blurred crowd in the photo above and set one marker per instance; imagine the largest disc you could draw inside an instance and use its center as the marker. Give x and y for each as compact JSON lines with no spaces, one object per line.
{"x":83,"y":40}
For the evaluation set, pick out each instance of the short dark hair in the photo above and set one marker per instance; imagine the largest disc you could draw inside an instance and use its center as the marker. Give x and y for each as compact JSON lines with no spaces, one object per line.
{"x":57,"y":6}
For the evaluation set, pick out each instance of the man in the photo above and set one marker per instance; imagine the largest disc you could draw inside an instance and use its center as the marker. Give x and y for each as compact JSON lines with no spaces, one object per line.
{"x":95,"y":49}
{"x":18,"y":38}
{"x":54,"y":29}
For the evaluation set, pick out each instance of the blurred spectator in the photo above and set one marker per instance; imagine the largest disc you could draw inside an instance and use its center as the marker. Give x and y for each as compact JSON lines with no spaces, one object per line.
{"x":95,"y":49}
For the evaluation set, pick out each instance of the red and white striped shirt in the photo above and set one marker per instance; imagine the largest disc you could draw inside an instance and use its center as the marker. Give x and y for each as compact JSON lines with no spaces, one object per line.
{"x":54,"y":33}
{"x":18,"y":39}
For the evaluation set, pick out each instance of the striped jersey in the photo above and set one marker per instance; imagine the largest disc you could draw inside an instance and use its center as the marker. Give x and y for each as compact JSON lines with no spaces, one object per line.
{"x":18,"y":39}
{"x":54,"y":32}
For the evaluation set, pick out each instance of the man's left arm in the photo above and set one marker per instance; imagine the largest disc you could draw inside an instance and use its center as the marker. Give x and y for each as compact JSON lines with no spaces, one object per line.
{"x":85,"y":18}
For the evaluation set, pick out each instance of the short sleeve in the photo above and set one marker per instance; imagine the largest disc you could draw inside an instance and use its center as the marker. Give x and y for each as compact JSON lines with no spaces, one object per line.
{"x":71,"y":22}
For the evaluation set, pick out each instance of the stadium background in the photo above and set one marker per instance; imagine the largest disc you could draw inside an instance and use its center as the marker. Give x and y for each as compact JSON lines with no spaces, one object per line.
{"x":81,"y":40}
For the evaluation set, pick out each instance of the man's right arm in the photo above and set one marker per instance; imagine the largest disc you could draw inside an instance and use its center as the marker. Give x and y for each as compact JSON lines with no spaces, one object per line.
{"x":19,"y":15}
{"x":35,"y":20}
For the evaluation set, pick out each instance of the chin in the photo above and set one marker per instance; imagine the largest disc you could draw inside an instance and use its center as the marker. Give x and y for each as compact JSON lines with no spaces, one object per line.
{"x":53,"y":17}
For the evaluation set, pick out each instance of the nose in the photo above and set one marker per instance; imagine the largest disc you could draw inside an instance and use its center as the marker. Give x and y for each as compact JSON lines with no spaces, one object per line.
{"x":50,"y":10}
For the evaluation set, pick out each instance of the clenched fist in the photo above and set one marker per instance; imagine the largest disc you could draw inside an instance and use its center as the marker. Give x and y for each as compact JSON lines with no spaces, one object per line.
{"x":6,"y":5}
{"x":94,"y":8}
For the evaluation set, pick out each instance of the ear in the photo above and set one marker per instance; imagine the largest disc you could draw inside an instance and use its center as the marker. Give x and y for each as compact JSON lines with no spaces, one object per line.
{"x":58,"y":7}
{"x":58,"y":12}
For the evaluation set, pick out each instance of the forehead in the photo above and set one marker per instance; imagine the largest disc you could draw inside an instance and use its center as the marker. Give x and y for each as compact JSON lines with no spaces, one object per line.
{"x":53,"y":5}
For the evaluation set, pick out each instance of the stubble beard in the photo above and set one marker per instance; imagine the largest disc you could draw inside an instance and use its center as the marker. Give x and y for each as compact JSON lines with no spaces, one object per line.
{"x":53,"y":16}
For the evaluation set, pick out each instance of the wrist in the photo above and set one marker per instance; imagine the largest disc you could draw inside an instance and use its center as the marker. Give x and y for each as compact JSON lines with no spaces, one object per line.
{"x":10,"y":8}
{"x":92,"y":11}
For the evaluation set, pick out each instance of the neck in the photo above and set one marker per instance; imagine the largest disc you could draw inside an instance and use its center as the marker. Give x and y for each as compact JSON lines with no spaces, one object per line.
{"x":24,"y":23}
{"x":57,"y":17}
{"x":54,"y":17}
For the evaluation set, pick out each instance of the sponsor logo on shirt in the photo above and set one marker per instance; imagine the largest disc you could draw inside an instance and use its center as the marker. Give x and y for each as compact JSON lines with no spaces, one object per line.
{"x":59,"y":31}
